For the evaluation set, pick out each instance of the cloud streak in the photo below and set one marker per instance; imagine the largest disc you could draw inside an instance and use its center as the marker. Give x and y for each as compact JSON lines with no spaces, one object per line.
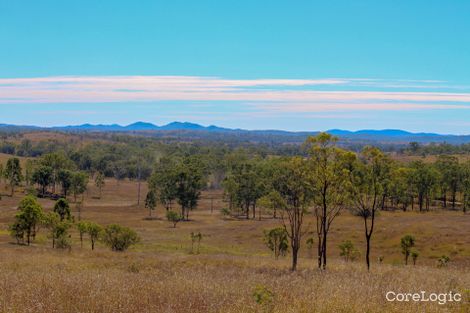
{"x":269,"y":95}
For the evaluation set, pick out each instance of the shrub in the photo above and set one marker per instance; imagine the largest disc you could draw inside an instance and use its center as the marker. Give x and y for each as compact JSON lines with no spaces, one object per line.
{"x":264,"y":297}
{"x":119,"y":238}
{"x":276,"y":240}
{"x":82,"y":227}
{"x":414,"y":256}
{"x":173,"y":217}
{"x":407,"y":242}
{"x":443,"y":261}
{"x":348,"y":251}
{"x":94,"y":230}
{"x":225,"y":212}
{"x":63,"y":242}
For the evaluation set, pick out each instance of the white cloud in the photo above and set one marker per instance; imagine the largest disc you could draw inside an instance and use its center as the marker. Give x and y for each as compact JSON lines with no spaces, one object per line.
{"x":269,"y":95}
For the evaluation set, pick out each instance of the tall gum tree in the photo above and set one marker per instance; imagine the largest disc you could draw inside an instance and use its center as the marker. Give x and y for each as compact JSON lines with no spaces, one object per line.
{"x":365,"y":174}
{"x":327,"y":168}
{"x":293,"y":185}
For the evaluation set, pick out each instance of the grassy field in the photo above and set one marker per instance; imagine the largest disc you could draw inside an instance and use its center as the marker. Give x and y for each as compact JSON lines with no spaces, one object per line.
{"x":160,"y":275}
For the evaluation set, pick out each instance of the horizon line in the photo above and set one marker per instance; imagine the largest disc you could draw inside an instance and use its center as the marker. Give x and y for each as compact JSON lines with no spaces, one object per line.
{"x":52,"y":127}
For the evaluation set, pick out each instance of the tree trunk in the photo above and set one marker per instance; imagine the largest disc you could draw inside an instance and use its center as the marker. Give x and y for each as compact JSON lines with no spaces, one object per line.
{"x":295,"y":251}
{"x":319,"y":248}
{"x":325,"y":230}
{"x":324,"y":250}
{"x":368,"y":252}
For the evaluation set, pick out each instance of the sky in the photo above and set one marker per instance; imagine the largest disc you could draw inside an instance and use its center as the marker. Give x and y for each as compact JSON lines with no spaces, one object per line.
{"x":253,"y":64}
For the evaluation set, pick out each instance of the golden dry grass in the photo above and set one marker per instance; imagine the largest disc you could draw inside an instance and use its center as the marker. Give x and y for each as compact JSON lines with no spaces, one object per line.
{"x":160,"y":275}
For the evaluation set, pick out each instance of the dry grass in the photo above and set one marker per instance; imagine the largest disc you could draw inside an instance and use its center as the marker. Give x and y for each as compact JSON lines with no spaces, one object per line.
{"x":159,"y":274}
{"x":38,"y":280}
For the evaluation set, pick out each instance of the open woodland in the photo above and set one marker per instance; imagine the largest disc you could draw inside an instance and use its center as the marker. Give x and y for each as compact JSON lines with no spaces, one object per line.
{"x":217,"y":259}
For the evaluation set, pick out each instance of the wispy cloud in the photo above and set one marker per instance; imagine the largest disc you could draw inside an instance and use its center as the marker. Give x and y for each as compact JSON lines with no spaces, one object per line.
{"x":269,"y":95}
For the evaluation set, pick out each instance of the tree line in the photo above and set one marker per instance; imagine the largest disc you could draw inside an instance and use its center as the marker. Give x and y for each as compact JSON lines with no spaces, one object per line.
{"x":31,"y":218}
{"x":324,"y":181}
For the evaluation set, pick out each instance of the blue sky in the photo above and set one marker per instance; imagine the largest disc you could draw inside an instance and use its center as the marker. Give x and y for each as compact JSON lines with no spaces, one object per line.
{"x":294,"y":65}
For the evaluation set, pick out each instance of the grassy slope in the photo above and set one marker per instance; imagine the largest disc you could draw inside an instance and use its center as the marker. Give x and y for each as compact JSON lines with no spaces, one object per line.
{"x":160,"y":275}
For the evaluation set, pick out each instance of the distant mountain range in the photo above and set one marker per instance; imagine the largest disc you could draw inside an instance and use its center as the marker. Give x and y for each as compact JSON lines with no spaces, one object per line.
{"x":384,"y":136}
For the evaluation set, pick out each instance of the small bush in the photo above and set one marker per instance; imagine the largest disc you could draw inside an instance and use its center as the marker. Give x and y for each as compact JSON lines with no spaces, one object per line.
{"x":225,"y":212}
{"x":407,"y":242}
{"x":276,"y":240}
{"x":414,"y":256}
{"x":173,"y":217}
{"x":264,"y":297}
{"x":63,"y":242}
{"x":119,"y":238}
{"x":348,"y":251}
{"x":443,"y":261}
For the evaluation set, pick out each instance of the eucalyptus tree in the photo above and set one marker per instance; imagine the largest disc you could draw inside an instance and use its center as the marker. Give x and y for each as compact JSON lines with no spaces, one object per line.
{"x":13,"y":173}
{"x":94,"y":231}
{"x":448,"y":176}
{"x":190,"y":180}
{"x":28,"y":219}
{"x":30,"y":166}
{"x":365,"y":174}
{"x":245,"y":183}
{"x":164,"y":181}
{"x":43,"y":177}
{"x":99,"y":182}
{"x":401,"y":187}
{"x":151,"y":201}
{"x":58,"y":229}
{"x":57,"y":162}
{"x":78,"y":186}
{"x":425,"y":179}
{"x":64,"y":178}
{"x":328,"y":171}
{"x":62,"y":208}
{"x":292,"y":182}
